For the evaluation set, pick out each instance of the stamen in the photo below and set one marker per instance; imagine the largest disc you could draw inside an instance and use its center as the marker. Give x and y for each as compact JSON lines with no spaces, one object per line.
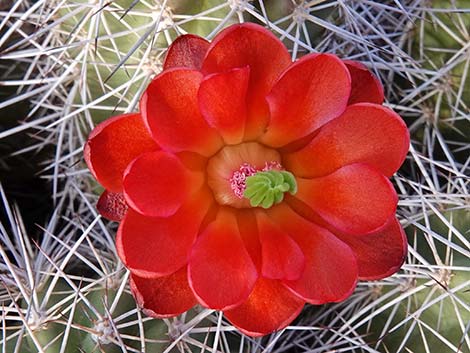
{"x":273,"y":165}
{"x":238,"y":179}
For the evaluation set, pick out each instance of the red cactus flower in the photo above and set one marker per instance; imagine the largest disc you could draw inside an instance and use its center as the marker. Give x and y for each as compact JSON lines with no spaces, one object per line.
{"x":252,"y":184}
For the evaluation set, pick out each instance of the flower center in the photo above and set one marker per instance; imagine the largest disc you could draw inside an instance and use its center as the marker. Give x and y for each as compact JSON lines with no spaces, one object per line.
{"x":238,"y":179}
{"x":229,"y":172}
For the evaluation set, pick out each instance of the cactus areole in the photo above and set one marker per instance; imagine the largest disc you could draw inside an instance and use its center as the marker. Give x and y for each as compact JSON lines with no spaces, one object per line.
{"x":252,"y":184}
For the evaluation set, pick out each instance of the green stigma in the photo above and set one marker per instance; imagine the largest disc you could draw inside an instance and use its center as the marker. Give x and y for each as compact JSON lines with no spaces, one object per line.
{"x":266,"y":188}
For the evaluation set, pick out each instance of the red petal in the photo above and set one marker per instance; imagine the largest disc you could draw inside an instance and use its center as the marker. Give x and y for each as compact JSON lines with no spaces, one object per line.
{"x":154,"y":246}
{"x":250,"y":45}
{"x":270,"y":307}
{"x":365,"y":133}
{"x":164,"y":296}
{"x":222,"y":102}
{"x":170,"y":108}
{"x":355,"y":199}
{"x":249,"y":234}
{"x":186,"y":51}
{"x":157,"y":183}
{"x":330,"y":273}
{"x":381,"y":254}
{"x":282,"y":257}
{"x":310,"y":93}
{"x":221,"y":272}
{"x":113,"y":144}
{"x":365,"y":87}
{"x":112,"y":205}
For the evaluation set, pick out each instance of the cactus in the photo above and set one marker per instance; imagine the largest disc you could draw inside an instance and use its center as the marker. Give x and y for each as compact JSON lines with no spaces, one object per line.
{"x":434,"y":311}
{"x":67,"y":65}
{"x":439,"y":45}
{"x":126,"y":41}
